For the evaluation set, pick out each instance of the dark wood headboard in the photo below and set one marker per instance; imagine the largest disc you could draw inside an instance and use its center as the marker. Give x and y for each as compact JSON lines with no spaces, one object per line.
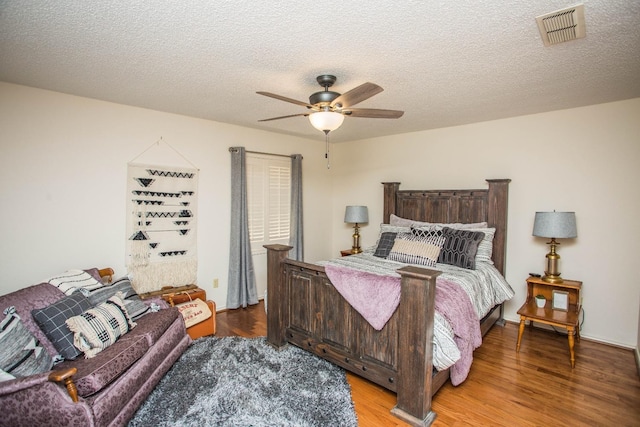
{"x":448,"y":206}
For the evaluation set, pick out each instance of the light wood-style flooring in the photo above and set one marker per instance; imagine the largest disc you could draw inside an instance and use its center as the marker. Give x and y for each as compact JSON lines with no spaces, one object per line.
{"x":536,"y":387}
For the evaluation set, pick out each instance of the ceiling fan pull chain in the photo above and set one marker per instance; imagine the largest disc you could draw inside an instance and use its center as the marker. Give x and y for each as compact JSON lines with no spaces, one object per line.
{"x":326,"y":151}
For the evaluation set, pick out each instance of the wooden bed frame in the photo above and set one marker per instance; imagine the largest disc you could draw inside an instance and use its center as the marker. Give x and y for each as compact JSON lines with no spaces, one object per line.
{"x":307,"y":311}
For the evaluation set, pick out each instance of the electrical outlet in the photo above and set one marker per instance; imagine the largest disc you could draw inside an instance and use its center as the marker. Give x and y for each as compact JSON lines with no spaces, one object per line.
{"x":215,"y":283}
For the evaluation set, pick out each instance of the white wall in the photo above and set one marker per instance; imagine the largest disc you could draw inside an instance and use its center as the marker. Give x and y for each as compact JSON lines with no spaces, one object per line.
{"x":63,"y":167}
{"x":583,"y":160}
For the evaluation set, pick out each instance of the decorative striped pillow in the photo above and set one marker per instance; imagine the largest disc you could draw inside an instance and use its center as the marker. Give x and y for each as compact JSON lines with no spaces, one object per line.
{"x":99,"y":327}
{"x":21,"y":354}
{"x":421,"y":250}
{"x":75,"y":280}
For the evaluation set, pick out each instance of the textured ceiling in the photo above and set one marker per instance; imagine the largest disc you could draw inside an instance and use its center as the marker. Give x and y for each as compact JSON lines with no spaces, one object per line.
{"x":443,"y":63}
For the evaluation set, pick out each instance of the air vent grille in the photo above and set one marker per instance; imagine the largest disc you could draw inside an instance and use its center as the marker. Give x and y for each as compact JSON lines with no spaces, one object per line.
{"x":562,"y":25}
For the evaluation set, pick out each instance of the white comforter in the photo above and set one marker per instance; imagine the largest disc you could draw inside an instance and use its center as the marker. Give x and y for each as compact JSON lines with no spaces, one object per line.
{"x":485,"y":286}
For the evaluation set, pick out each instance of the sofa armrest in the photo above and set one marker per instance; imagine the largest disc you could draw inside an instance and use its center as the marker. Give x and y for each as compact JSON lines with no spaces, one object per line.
{"x":12,"y":386}
{"x":65,"y":376}
{"x":35,"y":400}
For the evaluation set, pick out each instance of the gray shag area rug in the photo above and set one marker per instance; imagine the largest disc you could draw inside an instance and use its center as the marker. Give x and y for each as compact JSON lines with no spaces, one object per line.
{"x":235,"y":381}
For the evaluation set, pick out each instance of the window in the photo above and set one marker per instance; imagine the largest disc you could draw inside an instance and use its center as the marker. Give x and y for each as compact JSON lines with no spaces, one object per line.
{"x":268,"y":200}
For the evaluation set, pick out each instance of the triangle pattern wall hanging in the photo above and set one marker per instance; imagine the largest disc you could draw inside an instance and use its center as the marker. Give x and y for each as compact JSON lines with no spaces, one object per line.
{"x":161,"y":226}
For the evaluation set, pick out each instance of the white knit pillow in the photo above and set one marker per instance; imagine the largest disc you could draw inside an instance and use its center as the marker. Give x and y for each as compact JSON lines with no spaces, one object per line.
{"x":411,"y":249}
{"x":99,"y":327}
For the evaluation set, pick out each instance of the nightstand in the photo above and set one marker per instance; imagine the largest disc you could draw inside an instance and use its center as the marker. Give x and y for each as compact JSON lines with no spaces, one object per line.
{"x":568,"y":319}
{"x":346,"y":252}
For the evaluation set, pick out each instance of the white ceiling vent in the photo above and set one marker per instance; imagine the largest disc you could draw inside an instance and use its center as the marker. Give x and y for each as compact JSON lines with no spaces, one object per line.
{"x":562,"y":25}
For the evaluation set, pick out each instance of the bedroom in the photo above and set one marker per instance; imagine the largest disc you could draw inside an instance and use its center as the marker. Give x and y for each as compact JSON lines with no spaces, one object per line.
{"x":57,"y":150}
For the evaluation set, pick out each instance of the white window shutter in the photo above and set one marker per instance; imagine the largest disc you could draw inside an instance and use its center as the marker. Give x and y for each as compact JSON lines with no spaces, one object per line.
{"x":279,"y":202}
{"x":256,"y":201}
{"x":269,"y":200}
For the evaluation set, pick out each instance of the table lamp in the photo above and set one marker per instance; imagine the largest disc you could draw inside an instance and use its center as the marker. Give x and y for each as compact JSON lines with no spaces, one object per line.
{"x":554,"y":225}
{"x":356,"y":215}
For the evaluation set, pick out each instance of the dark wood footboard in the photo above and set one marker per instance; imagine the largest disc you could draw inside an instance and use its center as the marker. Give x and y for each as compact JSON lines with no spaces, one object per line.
{"x":304,"y":309}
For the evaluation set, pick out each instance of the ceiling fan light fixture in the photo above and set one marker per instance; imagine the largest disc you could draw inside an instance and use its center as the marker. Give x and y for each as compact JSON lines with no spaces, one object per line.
{"x":326,"y":121}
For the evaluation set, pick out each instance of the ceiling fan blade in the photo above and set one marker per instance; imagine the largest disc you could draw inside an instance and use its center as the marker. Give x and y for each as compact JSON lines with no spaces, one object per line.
{"x":284,"y":98}
{"x":357,"y":95}
{"x":373,"y":113}
{"x":284,"y":117}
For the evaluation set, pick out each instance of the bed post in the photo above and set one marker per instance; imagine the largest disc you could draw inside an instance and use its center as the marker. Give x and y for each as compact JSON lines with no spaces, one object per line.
{"x":497,"y":201}
{"x":415,"y":346}
{"x":390,"y":189}
{"x":278,"y":299}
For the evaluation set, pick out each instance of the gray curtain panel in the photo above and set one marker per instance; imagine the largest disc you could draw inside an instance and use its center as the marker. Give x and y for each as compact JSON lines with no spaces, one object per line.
{"x":296,"y":234}
{"x":242,"y":289}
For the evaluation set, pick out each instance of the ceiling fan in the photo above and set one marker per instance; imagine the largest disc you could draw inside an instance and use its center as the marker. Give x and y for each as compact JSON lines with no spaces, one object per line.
{"x":328,"y":109}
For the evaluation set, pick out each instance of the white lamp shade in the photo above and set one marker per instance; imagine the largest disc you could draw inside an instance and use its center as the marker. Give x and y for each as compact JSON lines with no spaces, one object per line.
{"x":561,"y":225}
{"x":326,"y":121}
{"x":356,"y":215}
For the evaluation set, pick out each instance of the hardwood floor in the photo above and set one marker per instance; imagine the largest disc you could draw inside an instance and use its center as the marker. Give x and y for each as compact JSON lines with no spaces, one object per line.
{"x":535,"y":387}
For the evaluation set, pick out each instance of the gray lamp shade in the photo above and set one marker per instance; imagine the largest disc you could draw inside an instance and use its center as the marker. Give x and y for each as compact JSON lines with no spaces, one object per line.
{"x":356,"y":215}
{"x":561,"y":225}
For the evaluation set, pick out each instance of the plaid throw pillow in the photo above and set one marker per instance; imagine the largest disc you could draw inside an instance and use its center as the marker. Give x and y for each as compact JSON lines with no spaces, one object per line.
{"x":52,"y":318}
{"x":385,"y":244}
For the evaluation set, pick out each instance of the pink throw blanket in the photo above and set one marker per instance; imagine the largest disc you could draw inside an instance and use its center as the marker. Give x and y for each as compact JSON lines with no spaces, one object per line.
{"x":453,"y":303}
{"x":376,"y":297}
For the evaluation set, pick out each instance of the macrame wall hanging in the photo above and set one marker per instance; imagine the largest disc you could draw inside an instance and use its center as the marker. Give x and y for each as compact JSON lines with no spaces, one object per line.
{"x":161,"y":224}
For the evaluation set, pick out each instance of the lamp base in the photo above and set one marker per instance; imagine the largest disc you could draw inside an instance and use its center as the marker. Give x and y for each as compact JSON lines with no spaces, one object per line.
{"x":552,"y":278}
{"x":355,"y":248}
{"x":552,"y":275}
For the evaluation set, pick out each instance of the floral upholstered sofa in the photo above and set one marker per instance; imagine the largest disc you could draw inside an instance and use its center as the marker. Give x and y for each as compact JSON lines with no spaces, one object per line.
{"x":105,"y":389}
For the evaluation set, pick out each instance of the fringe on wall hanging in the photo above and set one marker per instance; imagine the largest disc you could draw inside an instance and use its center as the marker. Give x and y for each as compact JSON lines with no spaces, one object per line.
{"x":161,"y":225}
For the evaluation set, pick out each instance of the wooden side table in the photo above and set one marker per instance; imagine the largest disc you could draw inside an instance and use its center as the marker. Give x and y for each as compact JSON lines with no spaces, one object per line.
{"x":346,"y":252}
{"x":568,"y":319}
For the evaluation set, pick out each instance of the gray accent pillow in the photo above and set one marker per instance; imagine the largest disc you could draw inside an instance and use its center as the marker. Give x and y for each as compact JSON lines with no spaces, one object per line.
{"x":21,"y":354}
{"x":135,"y":306}
{"x":460,"y":247}
{"x":385,"y":244}
{"x":52,"y":318}
{"x":103,"y":294}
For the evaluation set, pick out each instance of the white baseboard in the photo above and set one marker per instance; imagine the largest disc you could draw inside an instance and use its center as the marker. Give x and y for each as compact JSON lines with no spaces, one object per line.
{"x":637,"y":353}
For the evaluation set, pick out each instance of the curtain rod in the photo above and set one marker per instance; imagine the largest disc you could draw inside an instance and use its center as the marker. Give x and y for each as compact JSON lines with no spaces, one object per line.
{"x":266,"y":154}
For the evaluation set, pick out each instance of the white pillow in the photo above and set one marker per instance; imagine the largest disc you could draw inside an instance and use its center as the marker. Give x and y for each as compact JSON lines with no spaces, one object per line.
{"x":404,"y":222}
{"x":485,"y":248}
{"x":101,"y":326}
